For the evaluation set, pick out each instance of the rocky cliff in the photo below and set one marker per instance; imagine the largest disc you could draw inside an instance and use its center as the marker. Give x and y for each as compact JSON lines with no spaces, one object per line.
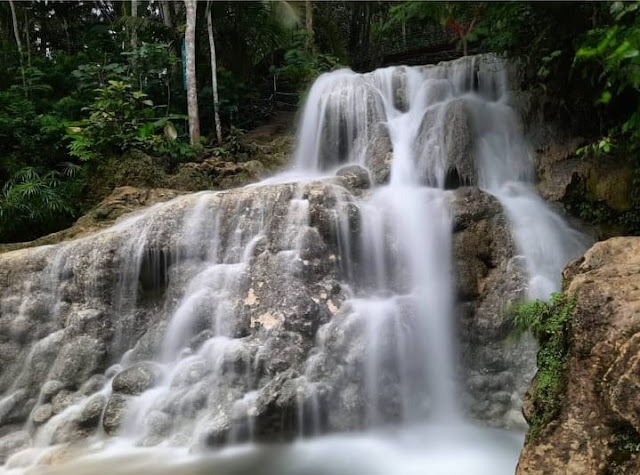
{"x":597,"y":428}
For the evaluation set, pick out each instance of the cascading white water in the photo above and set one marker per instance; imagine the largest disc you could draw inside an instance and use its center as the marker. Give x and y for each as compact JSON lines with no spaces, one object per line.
{"x":391,"y":342}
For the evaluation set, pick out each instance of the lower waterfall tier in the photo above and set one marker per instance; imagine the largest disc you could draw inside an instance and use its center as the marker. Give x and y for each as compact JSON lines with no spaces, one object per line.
{"x":227,"y":317}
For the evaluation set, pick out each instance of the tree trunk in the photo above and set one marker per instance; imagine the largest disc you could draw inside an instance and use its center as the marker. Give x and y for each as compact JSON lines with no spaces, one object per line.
{"x":192,"y":91}
{"x":134,"y":29}
{"x":214,"y":74}
{"x":67,"y":37}
{"x":404,"y":32}
{"x":27,"y":37}
{"x":16,"y":32}
{"x":166,"y":13}
{"x":308,"y":17}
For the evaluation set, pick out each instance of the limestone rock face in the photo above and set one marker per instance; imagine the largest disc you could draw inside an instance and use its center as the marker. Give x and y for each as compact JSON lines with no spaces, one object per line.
{"x":242,"y":292}
{"x":136,"y":379}
{"x":448,"y":124}
{"x":380,"y":154}
{"x":597,"y":429}
{"x":489,"y":278}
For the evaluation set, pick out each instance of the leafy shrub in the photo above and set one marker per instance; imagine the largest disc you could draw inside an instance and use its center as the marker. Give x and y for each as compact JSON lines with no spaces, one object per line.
{"x":115,"y":122}
{"x":120,"y":119}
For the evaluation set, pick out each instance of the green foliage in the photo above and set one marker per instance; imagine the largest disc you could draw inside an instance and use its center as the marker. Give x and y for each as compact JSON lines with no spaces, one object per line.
{"x":627,"y":439}
{"x":459,"y":18}
{"x":234,"y":95}
{"x":233,"y":142}
{"x":115,"y":122}
{"x":612,"y":55}
{"x":301,"y":65}
{"x":34,"y":201}
{"x":174,"y":151}
{"x":550,"y":323}
{"x":91,"y":76}
{"x":598,"y":148}
{"x":153,"y":67}
{"x":120,"y":119}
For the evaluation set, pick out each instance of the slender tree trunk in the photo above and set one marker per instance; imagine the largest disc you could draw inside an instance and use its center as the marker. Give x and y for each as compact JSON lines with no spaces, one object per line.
{"x":404,"y":32}
{"x":166,"y":13}
{"x":308,"y":18}
{"x":214,"y":73}
{"x":167,"y":19}
{"x":192,"y":90}
{"x":67,"y":37}
{"x":133,"y":37}
{"x":16,"y":32}
{"x":134,"y":26}
{"x":27,"y":37}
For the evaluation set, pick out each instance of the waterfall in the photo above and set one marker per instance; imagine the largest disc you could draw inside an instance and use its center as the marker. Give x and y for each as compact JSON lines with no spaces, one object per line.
{"x":319,"y":302}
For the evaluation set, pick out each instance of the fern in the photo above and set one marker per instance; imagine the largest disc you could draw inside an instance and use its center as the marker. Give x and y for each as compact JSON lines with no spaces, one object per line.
{"x":32,"y":199}
{"x":550,"y":323}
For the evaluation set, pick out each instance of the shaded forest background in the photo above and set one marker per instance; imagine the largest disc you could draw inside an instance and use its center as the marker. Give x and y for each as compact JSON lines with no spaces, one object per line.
{"x":86,"y":83}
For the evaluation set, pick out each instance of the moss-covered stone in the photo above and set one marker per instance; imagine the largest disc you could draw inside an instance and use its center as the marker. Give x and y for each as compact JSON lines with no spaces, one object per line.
{"x":134,"y":168}
{"x":612,"y":186}
{"x":550,"y":322}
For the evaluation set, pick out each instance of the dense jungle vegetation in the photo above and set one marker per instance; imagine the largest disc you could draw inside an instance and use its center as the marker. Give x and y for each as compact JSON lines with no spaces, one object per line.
{"x":86,"y":82}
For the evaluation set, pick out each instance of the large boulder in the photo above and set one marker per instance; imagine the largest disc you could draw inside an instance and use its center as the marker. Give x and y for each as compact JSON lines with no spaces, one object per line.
{"x":445,"y":145}
{"x":490,"y":277}
{"x":137,"y":378}
{"x":597,"y":428}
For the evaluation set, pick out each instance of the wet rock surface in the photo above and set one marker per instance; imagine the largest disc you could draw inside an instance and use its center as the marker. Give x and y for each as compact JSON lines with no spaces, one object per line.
{"x":136,"y":379}
{"x":285,"y":296}
{"x":490,"y":277}
{"x":12,"y":443}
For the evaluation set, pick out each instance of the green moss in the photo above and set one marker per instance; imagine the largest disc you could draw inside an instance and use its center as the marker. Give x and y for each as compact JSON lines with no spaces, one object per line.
{"x":550,"y":323}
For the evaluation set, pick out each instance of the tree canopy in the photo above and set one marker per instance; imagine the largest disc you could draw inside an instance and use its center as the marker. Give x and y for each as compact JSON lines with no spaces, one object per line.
{"x":89,"y":80}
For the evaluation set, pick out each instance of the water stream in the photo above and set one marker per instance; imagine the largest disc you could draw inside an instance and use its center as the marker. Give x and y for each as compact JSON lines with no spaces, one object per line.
{"x":445,"y":126}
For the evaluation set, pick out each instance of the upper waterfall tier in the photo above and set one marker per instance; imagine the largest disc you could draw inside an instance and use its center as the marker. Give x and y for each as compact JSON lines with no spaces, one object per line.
{"x":436,"y":116}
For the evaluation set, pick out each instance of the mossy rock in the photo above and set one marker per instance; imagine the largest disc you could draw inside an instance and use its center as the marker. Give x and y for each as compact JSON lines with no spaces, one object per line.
{"x":191,"y":177}
{"x":133,"y":168}
{"x":611,"y":185}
